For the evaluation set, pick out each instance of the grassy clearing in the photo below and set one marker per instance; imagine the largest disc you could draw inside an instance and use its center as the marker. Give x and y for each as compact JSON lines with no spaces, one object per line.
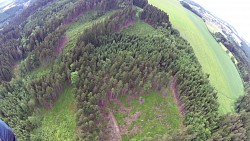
{"x":84,"y":22}
{"x":73,"y":31}
{"x":140,"y":28}
{"x":59,"y":123}
{"x":159,"y":115}
{"x":223,"y":73}
{"x":39,"y":72}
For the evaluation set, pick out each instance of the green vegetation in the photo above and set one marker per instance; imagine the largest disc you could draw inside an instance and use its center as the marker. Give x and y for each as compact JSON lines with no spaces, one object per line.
{"x":230,"y":54}
{"x":157,"y":115}
{"x":117,"y":61}
{"x":59,"y":123}
{"x":38,"y":73}
{"x":223,"y":73}
{"x":129,"y":64}
{"x":84,"y":22}
{"x":110,"y":65}
{"x":141,"y":28}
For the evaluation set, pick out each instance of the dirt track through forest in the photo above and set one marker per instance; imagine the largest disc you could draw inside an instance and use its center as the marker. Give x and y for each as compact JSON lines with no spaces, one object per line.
{"x":175,"y":94}
{"x":62,"y":43}
{"x":116,"y":134}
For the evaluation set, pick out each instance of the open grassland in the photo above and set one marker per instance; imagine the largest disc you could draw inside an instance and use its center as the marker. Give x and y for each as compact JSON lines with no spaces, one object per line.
{"x":214,"y":60}
{"x":59,"y":123}
{"x":148,"y":115}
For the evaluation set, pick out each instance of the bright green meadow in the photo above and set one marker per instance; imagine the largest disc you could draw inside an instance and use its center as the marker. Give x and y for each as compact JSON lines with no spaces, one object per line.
{"x":224,"y":75}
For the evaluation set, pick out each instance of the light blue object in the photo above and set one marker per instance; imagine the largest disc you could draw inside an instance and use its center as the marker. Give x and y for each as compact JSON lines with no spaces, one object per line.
{"x":6,"y":134}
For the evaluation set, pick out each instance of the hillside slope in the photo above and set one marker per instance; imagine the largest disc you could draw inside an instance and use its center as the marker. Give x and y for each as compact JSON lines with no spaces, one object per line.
{"x":108,"y":70}
{"x":223,"y":73}
{"x":58,"y":123}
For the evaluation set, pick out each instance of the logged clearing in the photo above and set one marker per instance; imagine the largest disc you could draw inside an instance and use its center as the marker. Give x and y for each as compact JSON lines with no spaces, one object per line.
{"x":214,"y":60}
{"x":148,"y":115}
{"x":59,"y":122}
{"x":141,"y":28}
{"x":82,"y":23}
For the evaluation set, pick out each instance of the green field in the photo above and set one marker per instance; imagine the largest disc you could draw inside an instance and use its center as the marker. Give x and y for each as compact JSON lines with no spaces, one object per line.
{"x":159,"y":115}
{"x":230,"y":54}
{"x":59,"y":123}
{"x":214,"y":60}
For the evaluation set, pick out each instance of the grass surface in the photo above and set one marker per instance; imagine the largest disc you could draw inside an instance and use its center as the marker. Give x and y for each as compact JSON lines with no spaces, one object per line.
{"x":223,"y":73}
{"x":39,"y":72}
{"x":84,"y":22}
{"x":229,"y":54}
{"x":59,"y":123}
{"x":159,"y":115}
{"x":140,"y":28}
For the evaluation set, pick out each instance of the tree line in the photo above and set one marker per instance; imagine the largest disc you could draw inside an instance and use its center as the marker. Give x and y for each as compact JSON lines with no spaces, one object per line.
{"x":154,"y":16}
{"x":114,"y":58}
{"x":9,"y":51}
{"x":106,"y":64}
{"x":241,"y":105}
{"x":33,"y":42}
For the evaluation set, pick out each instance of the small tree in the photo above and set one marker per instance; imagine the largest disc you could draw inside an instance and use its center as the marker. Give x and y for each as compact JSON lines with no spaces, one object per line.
{"x":74,"y":77}
{"x":147,"y":86}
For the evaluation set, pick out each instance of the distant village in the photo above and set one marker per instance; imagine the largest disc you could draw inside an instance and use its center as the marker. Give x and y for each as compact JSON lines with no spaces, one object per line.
{"x":214,"y":23}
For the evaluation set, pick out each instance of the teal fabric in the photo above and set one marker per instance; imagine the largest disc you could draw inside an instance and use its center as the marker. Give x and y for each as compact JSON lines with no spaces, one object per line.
{"x":6,"y":134}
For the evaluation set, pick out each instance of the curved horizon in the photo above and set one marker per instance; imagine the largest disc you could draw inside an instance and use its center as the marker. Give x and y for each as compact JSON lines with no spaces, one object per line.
{"x":4,"y":3}
{"x":234,"y":12}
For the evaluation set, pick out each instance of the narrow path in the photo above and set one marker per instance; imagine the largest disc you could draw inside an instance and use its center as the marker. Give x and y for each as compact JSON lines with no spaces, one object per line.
{"x":175,"y":94}
{"x":62,"y":43}
{"x":115,"y":134}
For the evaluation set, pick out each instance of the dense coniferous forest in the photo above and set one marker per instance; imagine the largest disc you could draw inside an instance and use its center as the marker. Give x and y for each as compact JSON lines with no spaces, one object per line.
{"x":106,"y":64}
{"x":184,"y":4}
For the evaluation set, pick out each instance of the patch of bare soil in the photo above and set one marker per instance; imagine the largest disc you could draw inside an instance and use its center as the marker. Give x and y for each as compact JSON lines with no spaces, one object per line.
{"x":164,"y":92}
{"x":61,"y":44}
{"x":129,"y":23}
{"x":113,"y":127}
{"x":73,"y":18}
{"x":131,"y":97}
{"x":126,"y":24}
{"x":114,"y":131}
{"x":122,"y":108}
{"x":128,"y":121}
{"x":16,"y":69}
{"x":176,"y":97}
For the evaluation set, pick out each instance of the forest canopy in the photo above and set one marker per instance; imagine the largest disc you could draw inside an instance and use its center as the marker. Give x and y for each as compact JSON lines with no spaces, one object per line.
{"x":104,"y":64}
